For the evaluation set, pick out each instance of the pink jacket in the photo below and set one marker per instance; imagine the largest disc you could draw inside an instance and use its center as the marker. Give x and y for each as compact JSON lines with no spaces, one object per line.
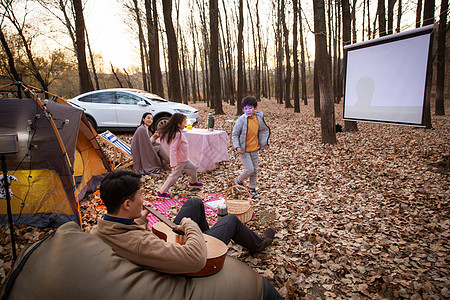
{"x":179,"y":150}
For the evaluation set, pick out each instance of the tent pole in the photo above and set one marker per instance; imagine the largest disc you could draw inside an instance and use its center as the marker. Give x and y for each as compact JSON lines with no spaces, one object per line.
{"x":8,"y":205}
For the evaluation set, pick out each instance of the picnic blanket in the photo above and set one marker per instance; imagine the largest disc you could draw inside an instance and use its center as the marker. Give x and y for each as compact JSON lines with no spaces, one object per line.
{"x":170,"y":208}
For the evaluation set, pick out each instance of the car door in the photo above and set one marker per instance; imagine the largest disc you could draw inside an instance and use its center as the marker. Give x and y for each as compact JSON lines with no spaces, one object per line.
{"x":102,"y":107}
{"x":128,"y":111}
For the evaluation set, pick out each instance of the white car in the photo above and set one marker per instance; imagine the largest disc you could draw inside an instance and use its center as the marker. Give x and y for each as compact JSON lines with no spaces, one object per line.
{"x":122,"y":109}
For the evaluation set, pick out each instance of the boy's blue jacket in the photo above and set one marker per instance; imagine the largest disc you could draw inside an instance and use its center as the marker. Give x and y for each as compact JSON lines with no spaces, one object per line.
{"x":239,"y":134}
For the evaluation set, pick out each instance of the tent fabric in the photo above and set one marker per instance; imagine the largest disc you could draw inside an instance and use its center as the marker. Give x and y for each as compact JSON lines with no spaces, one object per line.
{"x":50,"y":133}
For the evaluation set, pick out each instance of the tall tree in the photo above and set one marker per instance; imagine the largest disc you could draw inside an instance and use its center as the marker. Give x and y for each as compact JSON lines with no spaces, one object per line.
{"x":11,"y":65}
{"x":346,"y":36}
{"x":418,"y":13}
{"x":390,"y":20}
{"x":240,"y":62}
{"x":205,"y":51}
{"x":227,"y":48}
{"x":172,"y":54}
{"x":20,"y":26}
{"x":399,"y":15}
{"x":153,"y":46}
{"x":193,"y":29}
{"x":279,"y":51}
{"x":68,"y":19}
{"x":142,"y":44}
{"x":381,"y":13}
{"x":287,"y":79}
{"x":324,"y":75}
{"x":440,"y":68}
{"x":428,"y":19}
{"x":295,"y":84}
{"x":83,"y":71}
{"x":214,"y":56}
{"x":302,"y":54}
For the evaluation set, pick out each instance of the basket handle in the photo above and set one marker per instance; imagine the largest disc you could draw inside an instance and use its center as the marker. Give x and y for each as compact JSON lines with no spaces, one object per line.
{"x":239,"y":186}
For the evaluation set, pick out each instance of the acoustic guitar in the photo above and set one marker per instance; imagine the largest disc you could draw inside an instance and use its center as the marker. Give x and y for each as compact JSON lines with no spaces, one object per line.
{"x":216,"y":249}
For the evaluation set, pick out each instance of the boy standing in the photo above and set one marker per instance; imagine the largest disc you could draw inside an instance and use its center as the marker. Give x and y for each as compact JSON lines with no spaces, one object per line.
{"x":250,"y":134}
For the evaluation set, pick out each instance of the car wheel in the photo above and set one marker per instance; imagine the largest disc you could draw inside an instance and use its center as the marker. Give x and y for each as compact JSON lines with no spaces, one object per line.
{"x":161,"y":121}
{"x":92,"y":122}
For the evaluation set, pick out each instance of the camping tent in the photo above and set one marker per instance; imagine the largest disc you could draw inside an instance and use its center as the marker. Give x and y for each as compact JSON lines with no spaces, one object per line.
{"x":58,"y":161}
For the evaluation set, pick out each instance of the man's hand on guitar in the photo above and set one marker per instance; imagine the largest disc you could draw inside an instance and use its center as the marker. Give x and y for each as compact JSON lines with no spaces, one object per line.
{"x":179,"y":229}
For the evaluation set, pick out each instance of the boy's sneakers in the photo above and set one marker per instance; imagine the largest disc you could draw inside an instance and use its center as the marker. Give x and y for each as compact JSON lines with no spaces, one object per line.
{"x":196,"y":185}
{"x":163,"y":195}
{"x":267,"y":239}
{"x":254,"y":193}
{"x":238,"y":189}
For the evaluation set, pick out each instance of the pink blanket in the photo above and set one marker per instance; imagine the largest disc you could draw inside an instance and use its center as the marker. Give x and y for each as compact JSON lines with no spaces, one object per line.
{"x":170,"y":208}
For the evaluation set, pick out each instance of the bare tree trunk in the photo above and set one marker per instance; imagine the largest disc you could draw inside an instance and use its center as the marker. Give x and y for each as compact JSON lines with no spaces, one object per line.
{"x":440,"y":68}
{"x":381,"y":12}
{"x":12,"y":68}
{"x":287,"y":80}
{"x":349,"y":126}
{"x":83,"y":71}
{"x":194,"y":57}
{"x":115,"y":75}
{"x":279,"y":43}
{"x":428,"y":19}
{"x":369,"y":31}
{"x":354,"y":38}
{"x":184,"y":71}
{"x":128,"y":79}
{"x":390,"y":22}
{"x":364,"y":21}
{"x":302,"y":53}
{"x":317,"y":95}
{"x":295,"y":85}
{"x":153,"y":48}
{"x":206,"y":91}
{"x":91,"y":56}
{"x":141,"y":45}
{"x":214,"y":57}
{"x":418,"y":13}
{"x":19,"y":25}
{"x":323,"y":64}
{"x":259,"y":65}
{"x":172,"y":53}
{"x":399,"y":15}
{"x":228,"y":49}
{"x":240,"y":49}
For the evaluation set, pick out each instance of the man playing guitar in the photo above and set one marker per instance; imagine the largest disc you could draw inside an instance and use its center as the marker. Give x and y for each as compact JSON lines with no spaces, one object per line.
{"x":125,"y":228}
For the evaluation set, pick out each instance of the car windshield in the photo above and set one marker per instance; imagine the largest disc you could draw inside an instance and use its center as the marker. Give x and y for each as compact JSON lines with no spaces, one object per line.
{"x":150,"y":96}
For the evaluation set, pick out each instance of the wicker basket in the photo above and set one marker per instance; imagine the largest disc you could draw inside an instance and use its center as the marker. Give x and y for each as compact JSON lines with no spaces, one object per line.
{"x":243,"y":209}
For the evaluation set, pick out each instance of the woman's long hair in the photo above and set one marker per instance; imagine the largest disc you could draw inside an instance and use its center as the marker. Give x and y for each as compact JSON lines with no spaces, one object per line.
{"x":142,"y":121}
{"x":169,"y":130}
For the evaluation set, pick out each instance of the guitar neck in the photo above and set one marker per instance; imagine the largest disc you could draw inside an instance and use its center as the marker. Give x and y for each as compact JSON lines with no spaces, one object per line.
{"x":162,"y":218}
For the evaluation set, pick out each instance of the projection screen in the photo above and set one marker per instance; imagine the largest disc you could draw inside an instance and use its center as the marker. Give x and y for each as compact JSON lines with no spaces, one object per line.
{"x":385,"y":78}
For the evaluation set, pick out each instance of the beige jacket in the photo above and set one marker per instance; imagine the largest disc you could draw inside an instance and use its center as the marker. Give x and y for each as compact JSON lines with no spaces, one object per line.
{"x":140,"y":245}
{"x":74,"y":265}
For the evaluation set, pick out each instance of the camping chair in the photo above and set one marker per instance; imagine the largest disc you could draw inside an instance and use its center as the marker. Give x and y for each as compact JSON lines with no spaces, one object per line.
{"x":122,"y":152}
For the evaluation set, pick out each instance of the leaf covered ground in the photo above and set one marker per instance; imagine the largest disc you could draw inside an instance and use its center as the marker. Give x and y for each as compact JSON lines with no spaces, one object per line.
{"x":366,"y":218}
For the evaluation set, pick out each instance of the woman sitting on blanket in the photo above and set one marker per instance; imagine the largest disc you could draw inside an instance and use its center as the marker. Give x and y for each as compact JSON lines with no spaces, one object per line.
{"x":148,"y":156}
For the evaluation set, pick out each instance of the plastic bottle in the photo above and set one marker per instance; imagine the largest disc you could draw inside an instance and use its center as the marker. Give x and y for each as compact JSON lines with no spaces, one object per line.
{"x":210,"y":121}
{"x":189,"y":125}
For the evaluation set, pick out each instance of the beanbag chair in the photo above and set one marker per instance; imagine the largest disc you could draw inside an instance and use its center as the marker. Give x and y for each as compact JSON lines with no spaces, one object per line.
{"x":72,"y":264}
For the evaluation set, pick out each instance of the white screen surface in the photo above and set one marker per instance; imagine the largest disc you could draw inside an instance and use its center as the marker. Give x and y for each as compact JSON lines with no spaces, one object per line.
{"x":385,"y":82}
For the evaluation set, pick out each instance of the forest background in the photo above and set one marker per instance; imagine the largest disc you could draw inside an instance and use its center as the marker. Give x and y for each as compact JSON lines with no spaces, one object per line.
{"x":214,"y":51}
{"x":365,"y":218}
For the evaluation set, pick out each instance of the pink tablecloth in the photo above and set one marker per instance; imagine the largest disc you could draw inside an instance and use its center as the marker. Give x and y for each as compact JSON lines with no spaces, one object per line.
{"x":206,"y":148}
